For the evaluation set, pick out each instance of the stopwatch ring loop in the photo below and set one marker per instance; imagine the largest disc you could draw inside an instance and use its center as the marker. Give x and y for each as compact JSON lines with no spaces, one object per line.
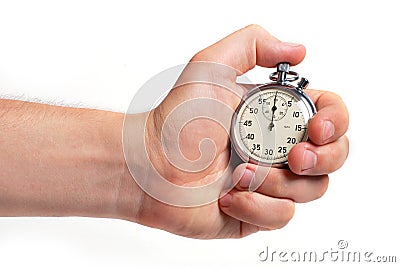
{"x":290,"y":76}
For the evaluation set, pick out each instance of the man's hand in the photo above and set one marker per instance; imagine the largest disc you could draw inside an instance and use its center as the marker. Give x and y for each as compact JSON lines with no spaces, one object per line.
{"x":61,"y":161}
{"x":239,"y":212}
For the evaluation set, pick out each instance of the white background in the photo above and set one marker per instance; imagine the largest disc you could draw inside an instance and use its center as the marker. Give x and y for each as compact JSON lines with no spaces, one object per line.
{"x":98,"y":53}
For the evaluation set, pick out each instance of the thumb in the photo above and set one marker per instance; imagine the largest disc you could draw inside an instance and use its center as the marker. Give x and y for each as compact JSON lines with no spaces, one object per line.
{"x":251,"y":46}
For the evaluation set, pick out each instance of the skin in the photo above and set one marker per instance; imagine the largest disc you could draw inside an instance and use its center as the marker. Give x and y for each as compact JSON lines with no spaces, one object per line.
{"x":60,"y":161}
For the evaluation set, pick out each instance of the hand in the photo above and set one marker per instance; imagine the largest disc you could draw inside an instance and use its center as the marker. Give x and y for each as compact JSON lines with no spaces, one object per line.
{"x":239,"y":212}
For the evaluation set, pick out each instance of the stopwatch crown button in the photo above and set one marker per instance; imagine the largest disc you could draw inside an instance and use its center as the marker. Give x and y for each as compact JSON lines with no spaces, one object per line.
{"x":283,"y":67}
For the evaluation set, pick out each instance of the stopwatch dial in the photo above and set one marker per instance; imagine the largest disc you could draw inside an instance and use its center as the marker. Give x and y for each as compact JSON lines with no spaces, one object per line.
{"x":274,"y":107}
{"x":269,"y":123}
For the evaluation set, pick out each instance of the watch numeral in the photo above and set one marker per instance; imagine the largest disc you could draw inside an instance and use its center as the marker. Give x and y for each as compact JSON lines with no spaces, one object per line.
{"x":291,"y":140}
{"x":262,"y":101}
{"x":282,"y":149}
{"x":248,"y":123}
{"x":256,"y":147}
{"x":253,"y":110}
{"x":269,"y":152}
{"x":250,"y":136}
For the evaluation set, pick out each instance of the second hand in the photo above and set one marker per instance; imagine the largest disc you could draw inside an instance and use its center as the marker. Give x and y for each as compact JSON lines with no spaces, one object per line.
{"x":274,"y":108}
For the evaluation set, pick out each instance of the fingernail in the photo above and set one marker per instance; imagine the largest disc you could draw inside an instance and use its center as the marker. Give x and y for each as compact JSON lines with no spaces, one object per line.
{"x":226,"y":200}
{"x":309,"y":160}
{"x":291,"y":44}
{"x":327,"y":131}
{"x":246,"y":179}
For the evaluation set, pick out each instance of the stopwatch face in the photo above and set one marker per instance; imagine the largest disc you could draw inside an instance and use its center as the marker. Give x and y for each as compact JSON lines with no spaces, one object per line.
{"x":269,"y":122}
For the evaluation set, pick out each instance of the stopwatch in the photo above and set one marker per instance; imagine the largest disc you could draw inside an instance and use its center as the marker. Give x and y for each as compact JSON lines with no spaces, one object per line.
{"x":272,"y":118}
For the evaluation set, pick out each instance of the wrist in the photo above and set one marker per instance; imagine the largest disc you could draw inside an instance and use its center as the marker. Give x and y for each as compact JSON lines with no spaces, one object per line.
{"x":141,"y":144}
{"x":130,"y":197}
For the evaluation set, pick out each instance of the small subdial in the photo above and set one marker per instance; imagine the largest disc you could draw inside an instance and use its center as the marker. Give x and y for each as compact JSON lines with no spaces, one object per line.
{"x":275,"y":107}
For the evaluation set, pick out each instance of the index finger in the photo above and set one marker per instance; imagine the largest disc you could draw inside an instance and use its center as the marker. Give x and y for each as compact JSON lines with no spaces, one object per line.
{"x":332,"y":118}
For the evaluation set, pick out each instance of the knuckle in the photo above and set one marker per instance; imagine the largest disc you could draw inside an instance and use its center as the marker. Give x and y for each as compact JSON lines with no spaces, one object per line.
{"x":344,"y":113}
{"x":323,"y":187}
{"x":253,"y":27}
{"x":287,"y":213}
{"x":199,"y":56}
{"x":347,"y":146}
{"x":333,"y":96}
{"x":248,"y":197}
{"x":338,"y":151}
{"x":274,"y":184}
{"x":333,"y":152}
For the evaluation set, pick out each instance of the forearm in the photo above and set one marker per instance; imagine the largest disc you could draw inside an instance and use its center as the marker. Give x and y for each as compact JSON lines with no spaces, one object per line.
{"x":60,"y":161}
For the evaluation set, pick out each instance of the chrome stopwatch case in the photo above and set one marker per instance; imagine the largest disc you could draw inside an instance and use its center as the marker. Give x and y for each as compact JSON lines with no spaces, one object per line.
{"x":272,"y":118}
